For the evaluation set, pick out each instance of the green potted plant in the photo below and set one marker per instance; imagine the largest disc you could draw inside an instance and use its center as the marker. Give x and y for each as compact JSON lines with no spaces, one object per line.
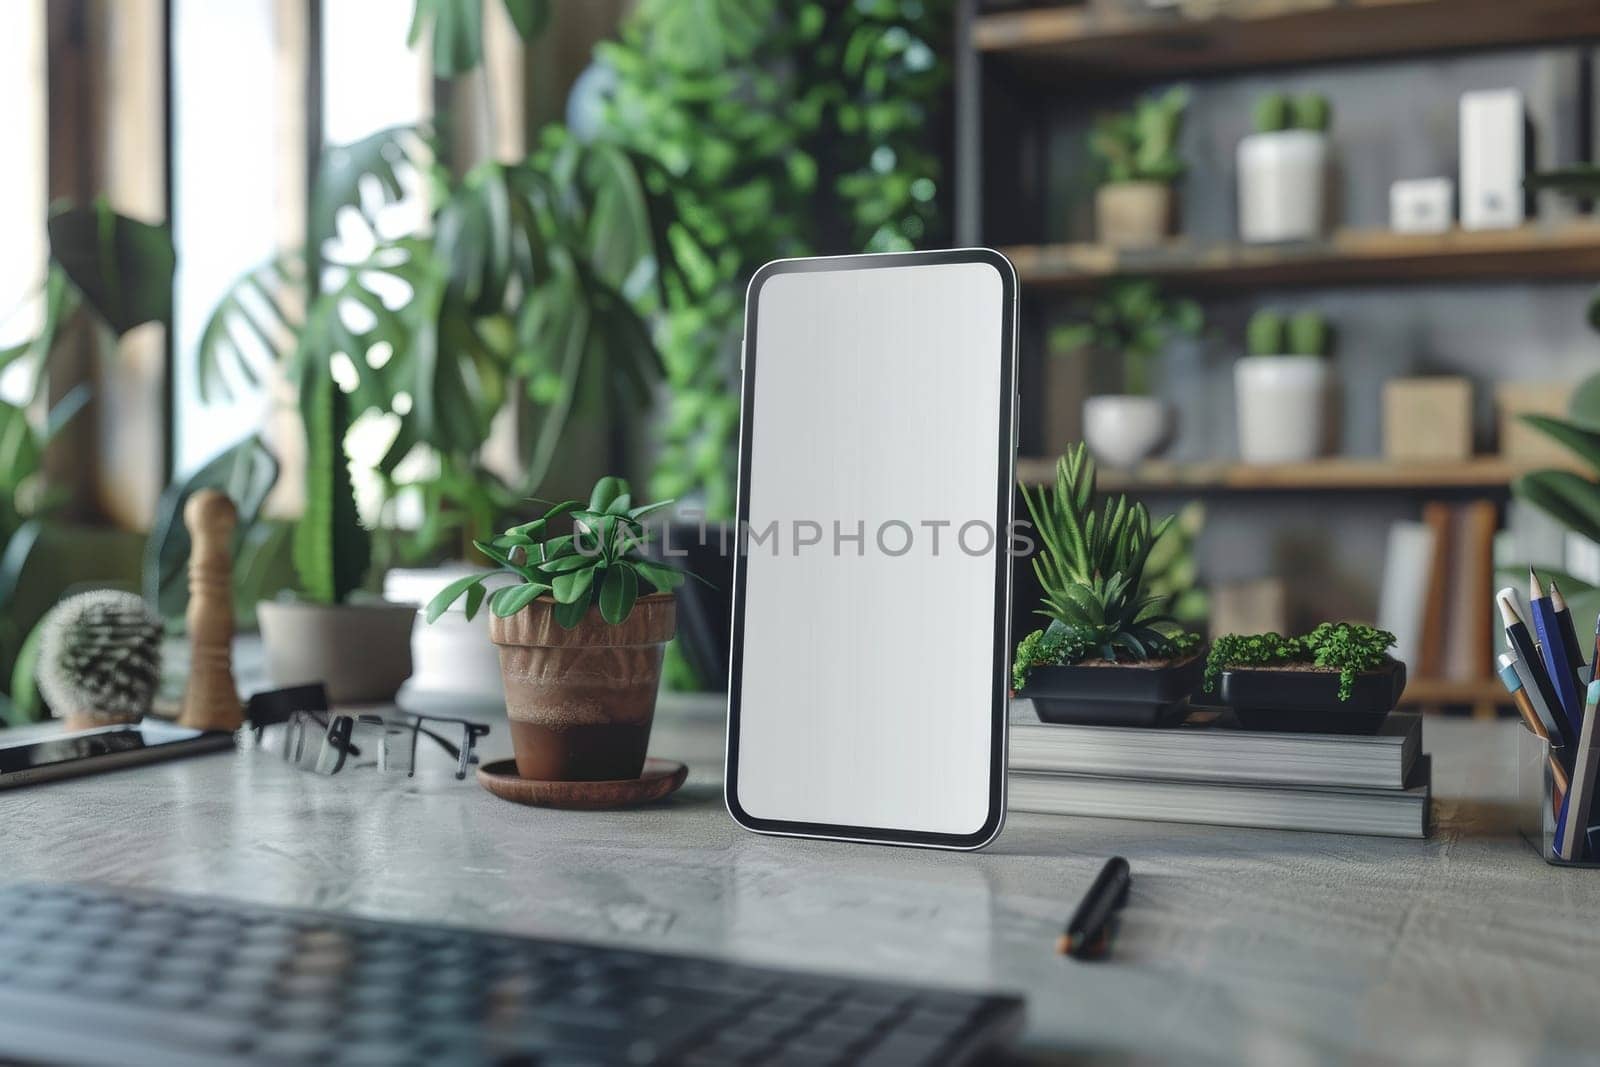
{"x":1137,"y":152}
{"x":525,"y":286}
{"x":1112,"y":653}
{"x":1281,"y":388}
{"x":1283,"y":170}
{"x":1339,"y":678}
{"x":1130,"y":323}
{"x":581,"y":631}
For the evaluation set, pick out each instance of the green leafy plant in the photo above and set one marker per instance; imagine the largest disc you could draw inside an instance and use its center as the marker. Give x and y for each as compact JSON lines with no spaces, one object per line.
{"x":1571,"y":498}
{"x":779,"y":129}
{"x":1171,"y":570}
{"x":1141,"y":144}
{"x":1091,"y":567}
{"x":1134,"y":320}
{"x":1349,"y":648}
{"x":596,"y":563}
{"x":1279,"y":111}
{"x":521,"y":289}
{"x":1305,"y":333}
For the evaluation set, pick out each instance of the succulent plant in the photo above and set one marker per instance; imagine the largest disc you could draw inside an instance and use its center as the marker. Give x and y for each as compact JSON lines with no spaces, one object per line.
{"x":100,"y":656}
{"x":1305,"y":333}
{"x":1091,"y":567}
{"x":597,"y":563}
{"x":1280,"y":111}
{"x":1142,"y":144}
{"x":1134,"y":320}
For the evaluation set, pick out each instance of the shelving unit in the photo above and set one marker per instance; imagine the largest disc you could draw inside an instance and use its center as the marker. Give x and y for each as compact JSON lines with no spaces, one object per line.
{"x":1077,"y":42}
{"x":1026,"y":80}
{"x":1484,"y":474}
{"x":1347,"y":257}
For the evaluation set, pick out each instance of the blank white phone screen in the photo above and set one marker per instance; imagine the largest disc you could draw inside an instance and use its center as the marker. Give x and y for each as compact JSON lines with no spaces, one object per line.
{"x":878,"y":458}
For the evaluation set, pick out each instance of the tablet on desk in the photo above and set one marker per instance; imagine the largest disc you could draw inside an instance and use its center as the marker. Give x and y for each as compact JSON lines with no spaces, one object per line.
{"x":868,"y":682}
{"x":69,"y":755}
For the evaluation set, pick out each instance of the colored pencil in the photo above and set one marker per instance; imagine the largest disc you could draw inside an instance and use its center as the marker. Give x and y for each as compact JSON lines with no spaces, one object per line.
{"x":1569,"y":636}
{"x":1530,"y":666}
{"x":1572,"y":827}
{"x":1530,"y":718}
{"x":1554,"y":653}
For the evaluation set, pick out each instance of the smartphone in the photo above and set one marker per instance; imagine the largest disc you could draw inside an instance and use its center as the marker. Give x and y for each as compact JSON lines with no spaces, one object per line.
{"x":102,"y":749}
{"x":868,"y":676}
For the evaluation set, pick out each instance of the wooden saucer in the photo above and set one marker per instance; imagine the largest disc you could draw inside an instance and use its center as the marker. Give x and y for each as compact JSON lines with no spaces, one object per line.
{"x":660,"y":778}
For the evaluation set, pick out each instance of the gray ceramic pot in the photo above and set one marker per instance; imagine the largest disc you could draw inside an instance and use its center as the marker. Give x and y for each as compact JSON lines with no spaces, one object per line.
{"x":360,"y":652}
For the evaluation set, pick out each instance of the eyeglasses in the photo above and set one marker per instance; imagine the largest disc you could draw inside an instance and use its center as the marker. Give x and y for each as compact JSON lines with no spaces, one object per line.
{"x":289,"y":721}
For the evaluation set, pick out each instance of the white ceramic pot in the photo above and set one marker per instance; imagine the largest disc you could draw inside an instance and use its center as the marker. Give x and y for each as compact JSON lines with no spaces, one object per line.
{"x":360,"y":652}
{"x":1125,"y":430}
{"x":452,"y":654}
{"x":1283,"y":178}
{"x":1282,"y":407}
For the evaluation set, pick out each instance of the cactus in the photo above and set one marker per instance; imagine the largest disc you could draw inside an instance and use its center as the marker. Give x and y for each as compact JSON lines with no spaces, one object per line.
{"x":1142,"y":145}
{"x":1308,"y":334}
{"x":1272,"y":113}
{"x":1310,"y":111}
{"x":1278,"y":111}
{"x":100,"y":656}
{"x":332,"y":550}
{"x":1264,"y":336}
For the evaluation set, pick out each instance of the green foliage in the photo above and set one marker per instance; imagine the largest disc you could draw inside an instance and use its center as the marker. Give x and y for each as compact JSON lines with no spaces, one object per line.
{"x":1305,"y":333}
{"x":456,"y":27}
{"x":332,"y":550}
{"x":1570,"y":498}
{"x":524,"y":285}
{"x":1265,"y":334}
{"x":1171,"y":570}
{"x":1349,"y":648}
{"x":1057,"y":646}
{"x":1091,"y":566}
{"x":1279,"y":111}
{"x":1132,"y":319}
{"x":779,"y":129}
{"x":597,"y":562}
{"x":1142,"y":144}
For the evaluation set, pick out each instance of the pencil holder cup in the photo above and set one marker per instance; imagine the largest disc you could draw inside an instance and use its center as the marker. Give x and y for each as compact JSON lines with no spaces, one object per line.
{"x":1536,"y":807}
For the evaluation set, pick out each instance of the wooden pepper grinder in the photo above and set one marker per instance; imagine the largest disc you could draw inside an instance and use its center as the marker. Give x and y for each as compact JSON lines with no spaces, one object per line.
{"x":211,"y":699}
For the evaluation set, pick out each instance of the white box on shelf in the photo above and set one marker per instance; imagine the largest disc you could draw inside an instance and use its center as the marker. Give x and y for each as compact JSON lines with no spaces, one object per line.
{"x":1492,"y":159}
{"x":1422,"y":205}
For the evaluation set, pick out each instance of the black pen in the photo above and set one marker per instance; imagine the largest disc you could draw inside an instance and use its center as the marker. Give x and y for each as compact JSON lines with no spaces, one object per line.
{"x":1086,"y":932}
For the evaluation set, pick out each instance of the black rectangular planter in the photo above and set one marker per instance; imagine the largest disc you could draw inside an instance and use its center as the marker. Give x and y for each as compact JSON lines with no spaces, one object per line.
{"x":1090,"y":695}
{"x":1308,"y":701}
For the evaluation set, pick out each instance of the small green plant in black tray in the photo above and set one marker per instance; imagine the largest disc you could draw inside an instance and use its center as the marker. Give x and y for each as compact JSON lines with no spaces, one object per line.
{"x":1339,"y":678}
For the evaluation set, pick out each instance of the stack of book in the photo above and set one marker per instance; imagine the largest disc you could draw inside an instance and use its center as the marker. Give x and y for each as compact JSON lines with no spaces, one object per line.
{"x":1209,"y":773}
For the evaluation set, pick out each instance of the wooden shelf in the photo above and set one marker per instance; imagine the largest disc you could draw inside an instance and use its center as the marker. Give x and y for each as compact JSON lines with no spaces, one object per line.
{"x":1571,"y":250}
{"x":1330,"y":475}
{"x":1098,"y":41}
{"x":1485,"y":699}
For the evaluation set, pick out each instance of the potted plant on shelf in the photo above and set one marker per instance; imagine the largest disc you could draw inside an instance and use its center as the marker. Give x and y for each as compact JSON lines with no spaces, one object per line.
{"x":1339,"y":678}
{"x":1132,"y":322}
{"x":581,"y":631}
{"x":1138,"y":156}
{"x":1112,"y":653}
{"x":1281,"y":388}
{"x":1283,"y":170}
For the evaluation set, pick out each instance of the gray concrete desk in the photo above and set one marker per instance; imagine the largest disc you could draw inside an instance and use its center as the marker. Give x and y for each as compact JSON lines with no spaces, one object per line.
{"x":1238,"y":946}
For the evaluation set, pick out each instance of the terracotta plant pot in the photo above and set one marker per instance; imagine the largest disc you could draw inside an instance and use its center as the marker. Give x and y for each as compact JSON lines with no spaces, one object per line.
{"x":581,"y":701}
{"x":360,"y":652}
{"x":1133,"y":214}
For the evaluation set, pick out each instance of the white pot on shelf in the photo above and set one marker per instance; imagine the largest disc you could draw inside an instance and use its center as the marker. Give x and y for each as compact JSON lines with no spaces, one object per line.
{"x":1282,"y":407}
{"x":1283,"y":179}
{"x":1123,"y":431}
{"x":452,"y":654}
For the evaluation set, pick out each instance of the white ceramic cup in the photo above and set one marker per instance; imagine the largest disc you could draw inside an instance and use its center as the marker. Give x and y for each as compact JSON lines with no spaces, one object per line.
{"x":1122,"y":431}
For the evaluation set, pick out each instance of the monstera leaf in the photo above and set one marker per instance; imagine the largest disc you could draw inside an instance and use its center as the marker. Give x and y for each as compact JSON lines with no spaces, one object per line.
{"x":457,"y":27}
{"x":122,"y":267}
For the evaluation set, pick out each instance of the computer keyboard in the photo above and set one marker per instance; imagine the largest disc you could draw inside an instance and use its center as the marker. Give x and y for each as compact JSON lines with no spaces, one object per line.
{"x":91,"y":975}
